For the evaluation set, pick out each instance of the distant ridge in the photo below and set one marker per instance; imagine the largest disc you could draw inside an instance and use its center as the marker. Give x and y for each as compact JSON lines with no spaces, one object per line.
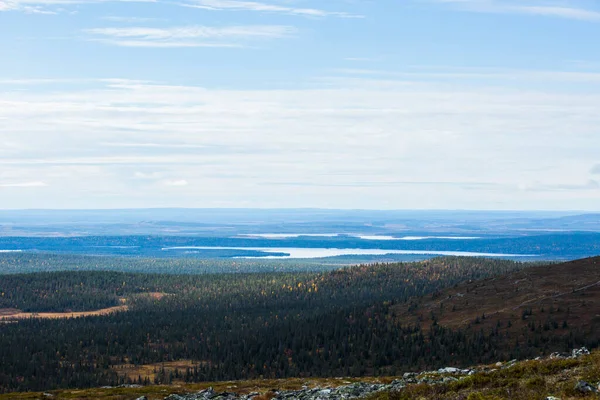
{"x":552,"y":300}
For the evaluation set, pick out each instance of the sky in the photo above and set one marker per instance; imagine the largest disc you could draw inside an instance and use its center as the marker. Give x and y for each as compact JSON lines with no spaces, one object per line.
{"x":358,"y":104}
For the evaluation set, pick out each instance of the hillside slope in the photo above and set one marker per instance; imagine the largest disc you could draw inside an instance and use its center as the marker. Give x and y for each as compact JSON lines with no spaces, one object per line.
{"x":360,"y":321}
{"x":543,"y":302}
{"x":560,"y":376}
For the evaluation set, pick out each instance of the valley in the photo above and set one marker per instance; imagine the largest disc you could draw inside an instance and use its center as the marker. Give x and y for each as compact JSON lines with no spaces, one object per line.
{"x":362,"y":321}
{"x":299,"y":200}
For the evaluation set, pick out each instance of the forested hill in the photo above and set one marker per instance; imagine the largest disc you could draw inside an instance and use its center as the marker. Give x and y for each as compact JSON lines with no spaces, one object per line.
{"x":195,"y":328}
{"x":543,"y":304}
{"x":89,"y":290}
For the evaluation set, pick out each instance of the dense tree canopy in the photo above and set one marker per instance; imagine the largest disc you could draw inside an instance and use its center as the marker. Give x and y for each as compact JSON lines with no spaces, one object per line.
{"x":239,"y":326}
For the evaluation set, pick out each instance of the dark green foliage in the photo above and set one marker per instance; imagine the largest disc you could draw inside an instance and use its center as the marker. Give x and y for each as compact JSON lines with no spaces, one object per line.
{"x":17,"y":263}
{"x":238,"y":326}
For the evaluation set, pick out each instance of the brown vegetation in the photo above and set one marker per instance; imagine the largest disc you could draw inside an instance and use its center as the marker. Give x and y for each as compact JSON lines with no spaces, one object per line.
{"x":265,"y":387}
{"x":568,"y":294}
{"x":151,"y":370}
{"x":11,"y":314}
{"x":527,"y":380}
{"x":157,"y":295}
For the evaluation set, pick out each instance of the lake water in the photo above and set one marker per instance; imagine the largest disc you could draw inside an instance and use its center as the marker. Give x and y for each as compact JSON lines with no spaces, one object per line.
{"x":358,"y":236}
{"x":307,"y":253}
{"x":439,"y":237}
{"x":285,"y":235}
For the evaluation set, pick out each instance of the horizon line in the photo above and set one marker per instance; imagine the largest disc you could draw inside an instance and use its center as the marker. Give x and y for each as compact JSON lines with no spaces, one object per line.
{"x":296,"y":209}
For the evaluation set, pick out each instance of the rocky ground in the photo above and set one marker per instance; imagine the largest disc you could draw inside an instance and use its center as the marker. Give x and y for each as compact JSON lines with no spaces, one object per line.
{"x":575,"y":375}
{"x":361,"y":390}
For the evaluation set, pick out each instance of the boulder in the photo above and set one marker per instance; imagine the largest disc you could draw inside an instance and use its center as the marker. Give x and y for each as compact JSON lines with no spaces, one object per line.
{"x":584,"y":387}
{"x":449,"y":370}
{"x":580,"y":352}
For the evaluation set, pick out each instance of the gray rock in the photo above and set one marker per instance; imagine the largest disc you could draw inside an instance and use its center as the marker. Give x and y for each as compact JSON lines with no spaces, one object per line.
{"x":175,"y":397}
{"x":449,"y":370}
{"x":203,"y":395}
{"x":584,"y":387}
{"x":398,"y":384}
{"x":359,"y":390}
{"x":142,"y":398}
{"x":580,"y":352}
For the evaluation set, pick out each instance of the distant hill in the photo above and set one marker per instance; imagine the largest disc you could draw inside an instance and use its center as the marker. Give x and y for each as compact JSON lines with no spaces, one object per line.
{"x":228,"y":222}
{"x":539,"y":306}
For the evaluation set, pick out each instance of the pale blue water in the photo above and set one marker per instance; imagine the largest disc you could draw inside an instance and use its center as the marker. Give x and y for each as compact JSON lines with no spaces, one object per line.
{"x":307,"y":253}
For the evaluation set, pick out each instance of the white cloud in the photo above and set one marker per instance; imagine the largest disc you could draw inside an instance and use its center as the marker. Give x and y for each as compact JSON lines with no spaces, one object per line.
{"x":41,"y":6}
{"x":23,"y":185}
{"x":129,"y":20}
{"x":544,"y":187}
{"x":50,"y":7}
{"x":480,"y":74}
{"x":36,"y":81}
{"x":188,"y":36}
{"x":563,"y":12}
{"x":346,"y":142}
{"x":543,"y":8}
{"x":147,"y":175}
{"x":237,"y":5}
{"x":179,"y":182}
{"x":154,"y":145}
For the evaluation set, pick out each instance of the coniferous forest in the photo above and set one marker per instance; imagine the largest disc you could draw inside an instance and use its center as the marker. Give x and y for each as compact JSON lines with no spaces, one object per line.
{"x":244,"y":326}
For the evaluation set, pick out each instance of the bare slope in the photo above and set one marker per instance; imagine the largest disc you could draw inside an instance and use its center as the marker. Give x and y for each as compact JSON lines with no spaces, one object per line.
{"x":557,"y":298}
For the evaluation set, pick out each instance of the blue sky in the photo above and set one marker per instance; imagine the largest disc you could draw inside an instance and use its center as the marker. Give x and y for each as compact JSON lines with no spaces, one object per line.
{"x":441,"y":104}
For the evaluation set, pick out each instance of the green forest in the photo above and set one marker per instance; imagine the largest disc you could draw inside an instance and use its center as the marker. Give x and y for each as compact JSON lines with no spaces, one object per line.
{"x":244,"y":326}
{"x":18,"y":263}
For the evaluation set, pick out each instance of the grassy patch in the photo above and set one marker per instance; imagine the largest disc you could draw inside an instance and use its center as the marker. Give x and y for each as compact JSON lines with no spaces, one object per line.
{"x":526,"y":380}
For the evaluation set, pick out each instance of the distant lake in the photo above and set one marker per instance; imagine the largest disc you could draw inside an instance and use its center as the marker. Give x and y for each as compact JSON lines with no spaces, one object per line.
{"x":307,"y":253}
{"x":353,"y":235}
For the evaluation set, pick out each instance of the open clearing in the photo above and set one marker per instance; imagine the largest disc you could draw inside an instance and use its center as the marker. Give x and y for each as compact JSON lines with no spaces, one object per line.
{"x":13,"y":314}
{"x":150,"y":370}
{"x":9,"y":314}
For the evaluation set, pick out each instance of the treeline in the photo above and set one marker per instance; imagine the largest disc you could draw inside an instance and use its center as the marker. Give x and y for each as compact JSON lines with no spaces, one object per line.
{"x":91,"y":290}
{"x":29,"y":262}
{"x":247,"y":326}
